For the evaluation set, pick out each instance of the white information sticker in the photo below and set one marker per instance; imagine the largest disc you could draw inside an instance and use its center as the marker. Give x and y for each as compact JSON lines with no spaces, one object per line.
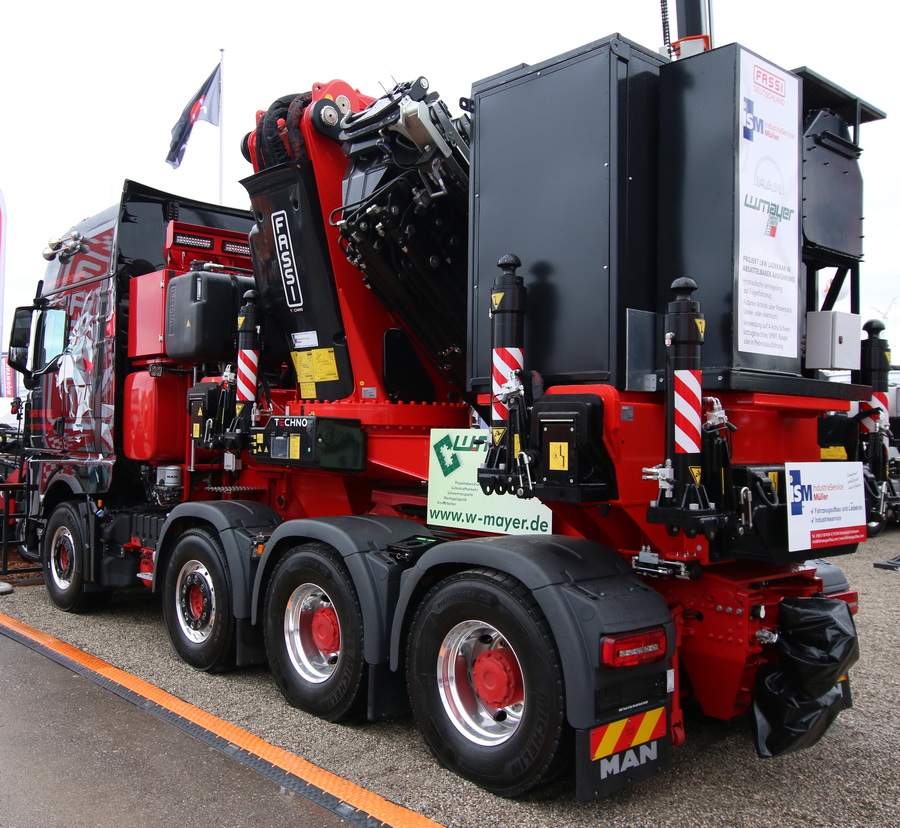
{"x":826,"y":505}
{"x":305,"y":339}
{"x":455,"y":498}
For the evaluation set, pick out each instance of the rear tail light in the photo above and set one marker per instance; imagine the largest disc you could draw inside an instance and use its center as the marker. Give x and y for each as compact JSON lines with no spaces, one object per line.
{"x":631,"y":649}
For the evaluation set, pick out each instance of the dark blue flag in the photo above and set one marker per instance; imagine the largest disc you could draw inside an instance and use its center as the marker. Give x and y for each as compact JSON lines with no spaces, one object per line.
{"x":204,"y":106}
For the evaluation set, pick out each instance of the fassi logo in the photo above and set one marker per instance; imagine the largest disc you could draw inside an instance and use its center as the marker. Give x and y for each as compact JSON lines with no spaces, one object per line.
{"x":772,"y":85}
{"x":286,"y":263}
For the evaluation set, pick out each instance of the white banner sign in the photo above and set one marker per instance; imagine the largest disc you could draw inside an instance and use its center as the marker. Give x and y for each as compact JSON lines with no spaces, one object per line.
{"x":455,"y":498}
{"x":826,"y":505}
{"x":768,"y":288}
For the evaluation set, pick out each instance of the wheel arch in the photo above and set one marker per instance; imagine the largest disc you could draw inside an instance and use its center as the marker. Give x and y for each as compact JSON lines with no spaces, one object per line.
{"x":63,"y":488}
{"x":376,"y":580}
{"x":584,"y":590}
{"x":235,"y":523}
{"x":66,"y":488}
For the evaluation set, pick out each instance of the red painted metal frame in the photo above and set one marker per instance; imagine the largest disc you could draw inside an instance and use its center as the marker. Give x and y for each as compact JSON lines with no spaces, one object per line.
{"x":717,"y":616}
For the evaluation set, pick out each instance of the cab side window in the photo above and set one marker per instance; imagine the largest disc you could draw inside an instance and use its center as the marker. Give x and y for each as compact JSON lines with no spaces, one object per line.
{"x":50,"y":338}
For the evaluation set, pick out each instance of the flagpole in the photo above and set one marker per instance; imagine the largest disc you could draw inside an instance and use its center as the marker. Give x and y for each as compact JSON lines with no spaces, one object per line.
{"x":221,"y":128}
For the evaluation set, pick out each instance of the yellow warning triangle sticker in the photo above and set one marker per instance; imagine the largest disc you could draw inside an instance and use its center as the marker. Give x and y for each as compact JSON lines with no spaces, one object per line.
{"x":701,"y":326}
{"x":496,"y":299}
{"x":188,"y":324}
{"x":241,"y":321}
{"x":695,"y":473}
{"x":498,"y":435}
{"x":238,"y":407}
{"x":773,"y":476}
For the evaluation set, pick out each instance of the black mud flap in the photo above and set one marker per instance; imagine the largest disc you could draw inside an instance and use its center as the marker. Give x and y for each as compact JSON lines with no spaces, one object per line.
{"x":628,"y":750}
{"x":795,"y":702}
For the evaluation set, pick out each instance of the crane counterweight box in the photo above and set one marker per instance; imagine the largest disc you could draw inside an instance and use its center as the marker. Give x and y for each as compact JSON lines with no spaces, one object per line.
{"x":580,"y":218}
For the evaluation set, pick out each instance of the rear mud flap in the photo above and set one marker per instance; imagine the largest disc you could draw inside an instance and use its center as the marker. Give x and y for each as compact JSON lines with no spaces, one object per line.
{"x":796,"y":701}
{"x":615,"y":755}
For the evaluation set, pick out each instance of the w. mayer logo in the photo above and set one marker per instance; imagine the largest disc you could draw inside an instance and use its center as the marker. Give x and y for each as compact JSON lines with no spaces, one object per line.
{"x":775,"y":213}
{"x":799,"y":493}
{"x":446,"y":450}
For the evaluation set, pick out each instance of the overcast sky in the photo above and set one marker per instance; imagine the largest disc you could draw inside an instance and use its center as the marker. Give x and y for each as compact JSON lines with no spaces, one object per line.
{"x":90,"y":91}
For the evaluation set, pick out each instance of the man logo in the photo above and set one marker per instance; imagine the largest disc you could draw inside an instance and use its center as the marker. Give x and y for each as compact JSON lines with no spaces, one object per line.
{"x":633,"y":758}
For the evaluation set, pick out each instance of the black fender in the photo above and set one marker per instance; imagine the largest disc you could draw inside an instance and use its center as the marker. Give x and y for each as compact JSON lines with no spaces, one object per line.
{"x":237,"y":523}
{"x":360,"y":540}
{"x":585,"y":590}
{"x":831,"y":575}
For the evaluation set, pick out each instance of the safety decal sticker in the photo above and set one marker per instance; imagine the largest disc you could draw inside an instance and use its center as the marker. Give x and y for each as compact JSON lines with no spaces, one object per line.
{"x":628,"y":733}
{"x":559,"y":456}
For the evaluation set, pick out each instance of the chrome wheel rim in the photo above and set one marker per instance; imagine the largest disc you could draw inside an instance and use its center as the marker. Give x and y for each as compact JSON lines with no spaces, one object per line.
{"x":477,"y":720}
{"x":313,"y":664}
{"x":195,"y":602}
{"x":62,"y":558}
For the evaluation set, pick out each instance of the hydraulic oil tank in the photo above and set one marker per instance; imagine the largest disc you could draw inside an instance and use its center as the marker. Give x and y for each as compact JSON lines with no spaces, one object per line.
{"x":730,"y":210}
{"x":564,"y":176}
{"x":201,"y":315}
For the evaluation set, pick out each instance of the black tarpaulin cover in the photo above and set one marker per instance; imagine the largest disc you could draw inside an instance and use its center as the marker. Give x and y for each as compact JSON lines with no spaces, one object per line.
{"x":797,"y":700}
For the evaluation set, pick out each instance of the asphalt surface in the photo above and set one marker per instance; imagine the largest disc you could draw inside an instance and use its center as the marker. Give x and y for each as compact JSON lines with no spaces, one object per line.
{"x":852,"y":777}
{"x":74,"y":754}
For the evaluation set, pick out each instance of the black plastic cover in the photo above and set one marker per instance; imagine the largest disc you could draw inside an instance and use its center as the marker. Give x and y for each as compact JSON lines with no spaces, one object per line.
{"x":795,"y":702}
{"x":817,"y":642}
{"x":784,"y":720}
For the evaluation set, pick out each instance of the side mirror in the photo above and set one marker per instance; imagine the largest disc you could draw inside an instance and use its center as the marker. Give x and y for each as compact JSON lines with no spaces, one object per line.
{"x":19,"y":340}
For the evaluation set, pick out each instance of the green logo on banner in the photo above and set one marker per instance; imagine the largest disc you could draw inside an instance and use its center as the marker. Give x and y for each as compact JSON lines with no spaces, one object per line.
{"x":446,"y":456}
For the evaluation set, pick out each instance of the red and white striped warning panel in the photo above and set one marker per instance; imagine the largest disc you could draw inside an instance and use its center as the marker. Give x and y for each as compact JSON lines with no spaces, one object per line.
{"x":247,"y":367}
{"x":687,"y":412}
{"x":879,"y":400}
{"x":506,"y":361}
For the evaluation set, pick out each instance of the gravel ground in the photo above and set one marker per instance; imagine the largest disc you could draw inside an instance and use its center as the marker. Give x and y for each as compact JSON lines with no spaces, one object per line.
{"x":852,"y":777}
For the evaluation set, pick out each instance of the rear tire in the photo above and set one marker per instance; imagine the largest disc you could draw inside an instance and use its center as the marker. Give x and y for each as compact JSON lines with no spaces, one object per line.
{"x":485,"y":683}
{"x":314,"y":633}
{"x":197,"y":603}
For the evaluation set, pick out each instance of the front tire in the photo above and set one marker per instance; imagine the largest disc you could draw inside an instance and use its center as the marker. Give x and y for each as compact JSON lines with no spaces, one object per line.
{"x":197,"y":603}
{"x":63,"y":555}
{"x":485,"y":683}
{"x":314,"y":634}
